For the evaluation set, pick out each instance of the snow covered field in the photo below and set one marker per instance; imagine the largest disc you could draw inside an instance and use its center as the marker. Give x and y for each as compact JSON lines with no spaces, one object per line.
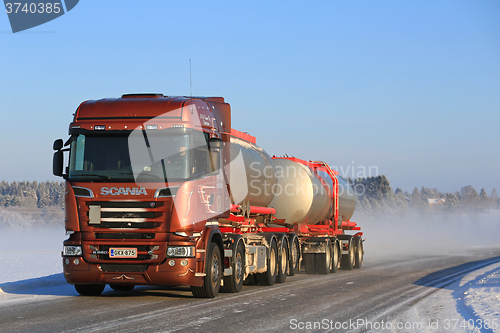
{"x":27,"y":253}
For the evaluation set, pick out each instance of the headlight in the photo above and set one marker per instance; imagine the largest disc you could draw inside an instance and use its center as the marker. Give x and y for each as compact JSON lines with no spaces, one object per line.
{"x":180,"y":251}
{"x":72,"y":250}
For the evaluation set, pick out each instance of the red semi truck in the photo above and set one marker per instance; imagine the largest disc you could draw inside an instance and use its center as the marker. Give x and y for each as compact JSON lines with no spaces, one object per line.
{"x":162,"y":191}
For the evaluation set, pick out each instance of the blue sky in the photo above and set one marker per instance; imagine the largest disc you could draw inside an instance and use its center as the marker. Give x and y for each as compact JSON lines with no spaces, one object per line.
{"x":412,"y":88}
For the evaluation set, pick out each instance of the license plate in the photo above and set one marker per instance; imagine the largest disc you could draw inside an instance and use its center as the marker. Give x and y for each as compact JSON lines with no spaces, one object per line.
{"x":123,"y":253}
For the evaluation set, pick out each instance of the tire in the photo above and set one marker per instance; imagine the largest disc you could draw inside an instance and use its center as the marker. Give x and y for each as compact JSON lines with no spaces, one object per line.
{"x":358,"y":259}
{"x":122,"y":287}
{"x":269,"y":277}
{"x":309,"y":263}
{"x":294,"y":256}
{"x":213,"y":270}
{"x":335,"y":257}
{"x":323,"y":260}
{"x":90,"y":289}
{"x":347,"y":261}
{"x":234,"y":282}
{"x":283,"y":261}
{"x":250,"y":280}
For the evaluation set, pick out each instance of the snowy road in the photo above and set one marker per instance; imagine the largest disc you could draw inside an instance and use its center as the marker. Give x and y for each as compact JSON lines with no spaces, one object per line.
{"x":430,"y":294}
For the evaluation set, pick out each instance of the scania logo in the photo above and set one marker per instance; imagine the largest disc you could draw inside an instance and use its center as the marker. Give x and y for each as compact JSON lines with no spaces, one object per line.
{"x":123,"y":191}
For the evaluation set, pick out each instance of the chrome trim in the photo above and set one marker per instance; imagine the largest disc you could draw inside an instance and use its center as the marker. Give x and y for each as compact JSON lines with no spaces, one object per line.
{"x":91,"y":194}
{"x":124,"y":219}
{"x":125,"y":210}
{"x":166,"y":196}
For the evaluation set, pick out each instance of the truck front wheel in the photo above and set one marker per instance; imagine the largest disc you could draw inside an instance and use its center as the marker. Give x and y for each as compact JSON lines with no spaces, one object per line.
{"x":90,"y":289}
{"x":213,"y":269}
{"x":122,"y":287}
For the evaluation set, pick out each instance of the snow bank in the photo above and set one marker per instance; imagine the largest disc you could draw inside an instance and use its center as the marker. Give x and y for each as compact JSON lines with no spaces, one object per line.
{"x":470,"y":304}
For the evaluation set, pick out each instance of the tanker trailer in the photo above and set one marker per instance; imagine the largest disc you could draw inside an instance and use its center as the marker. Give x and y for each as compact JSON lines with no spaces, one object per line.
{"x":318,"y":203}
{"x":308,"y":200}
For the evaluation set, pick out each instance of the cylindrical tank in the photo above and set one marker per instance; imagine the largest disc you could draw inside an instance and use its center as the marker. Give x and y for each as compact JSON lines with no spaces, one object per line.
{"x":304,"y":197}
{"x":251,"y":174}
{"x":347,"y":199}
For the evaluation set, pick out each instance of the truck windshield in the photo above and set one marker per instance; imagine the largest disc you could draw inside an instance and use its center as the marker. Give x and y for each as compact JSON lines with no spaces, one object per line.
{"x":162,"y":157}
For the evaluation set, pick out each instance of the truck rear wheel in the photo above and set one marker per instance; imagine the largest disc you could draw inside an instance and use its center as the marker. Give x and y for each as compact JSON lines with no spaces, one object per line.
{"x":213,"y":269}
{"x":233,"y":283}
{"x":122,"y":287}
{"x":294,"y":256}
{"x":348,"y":259}
{"x":90,"y":289}
{"x":269,"y":277}
{"x":359,"y":252}
{"x":283,"y":261}
{"x":335,"y":256}
{"x":323,"y":260}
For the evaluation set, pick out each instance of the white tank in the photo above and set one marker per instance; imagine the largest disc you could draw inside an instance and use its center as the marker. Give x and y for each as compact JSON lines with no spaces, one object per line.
{"x":304,"y":197}
{"x":251,"y":174}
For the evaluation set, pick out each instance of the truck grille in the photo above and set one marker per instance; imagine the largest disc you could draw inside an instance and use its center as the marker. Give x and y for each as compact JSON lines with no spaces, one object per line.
{"x":124,"y":235}
{"x":126,"y":214}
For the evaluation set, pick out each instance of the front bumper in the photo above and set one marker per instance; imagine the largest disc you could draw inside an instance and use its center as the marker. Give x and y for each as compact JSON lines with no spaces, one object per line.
{"x":153,"y":274}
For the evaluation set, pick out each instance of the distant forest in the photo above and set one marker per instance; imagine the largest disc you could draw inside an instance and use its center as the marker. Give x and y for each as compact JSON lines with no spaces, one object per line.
{"x":31,"y":194}
{"x":375,"y":196}
{"x":33,"y":202}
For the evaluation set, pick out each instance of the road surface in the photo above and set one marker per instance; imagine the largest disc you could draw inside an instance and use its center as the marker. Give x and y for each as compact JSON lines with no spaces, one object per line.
{"x":380,"y":291}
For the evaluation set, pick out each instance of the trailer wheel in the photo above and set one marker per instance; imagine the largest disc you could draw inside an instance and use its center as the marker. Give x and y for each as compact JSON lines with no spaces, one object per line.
{"x":283,"y":261}
{"x":234,"y":282}
{"x":347,"y":261}
{"x":359,"y":252}
{"x":250,"y":280}
{"x":269,"y":277}
{"x":309,"y":263}
{"x":90,"y":289}
{"x":335,"y":256}
{"x":293,"y":265}
{"x":122,"y":287}
{"x":323,"y":260}
{"x":213,"y":269}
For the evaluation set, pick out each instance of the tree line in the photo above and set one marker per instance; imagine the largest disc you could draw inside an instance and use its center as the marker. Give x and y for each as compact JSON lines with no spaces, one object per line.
{"x":375,"y":195}
{"x":31,"y":194}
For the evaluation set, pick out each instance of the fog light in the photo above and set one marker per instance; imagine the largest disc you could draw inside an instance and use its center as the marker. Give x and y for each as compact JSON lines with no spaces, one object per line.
{"x":66,"y":261}
{"x":184,"y":262}
{"x":76,"y":262}
{"x":171,"y":262}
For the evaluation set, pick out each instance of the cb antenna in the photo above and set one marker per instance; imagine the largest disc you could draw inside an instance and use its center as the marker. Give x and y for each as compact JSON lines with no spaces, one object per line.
{"x":190,"y":81}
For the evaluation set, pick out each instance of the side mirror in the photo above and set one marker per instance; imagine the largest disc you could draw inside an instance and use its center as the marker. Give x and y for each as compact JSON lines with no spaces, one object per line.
{"x":58,"y":144}
{"x":57,"y":163}
{"x":215,"y":146}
